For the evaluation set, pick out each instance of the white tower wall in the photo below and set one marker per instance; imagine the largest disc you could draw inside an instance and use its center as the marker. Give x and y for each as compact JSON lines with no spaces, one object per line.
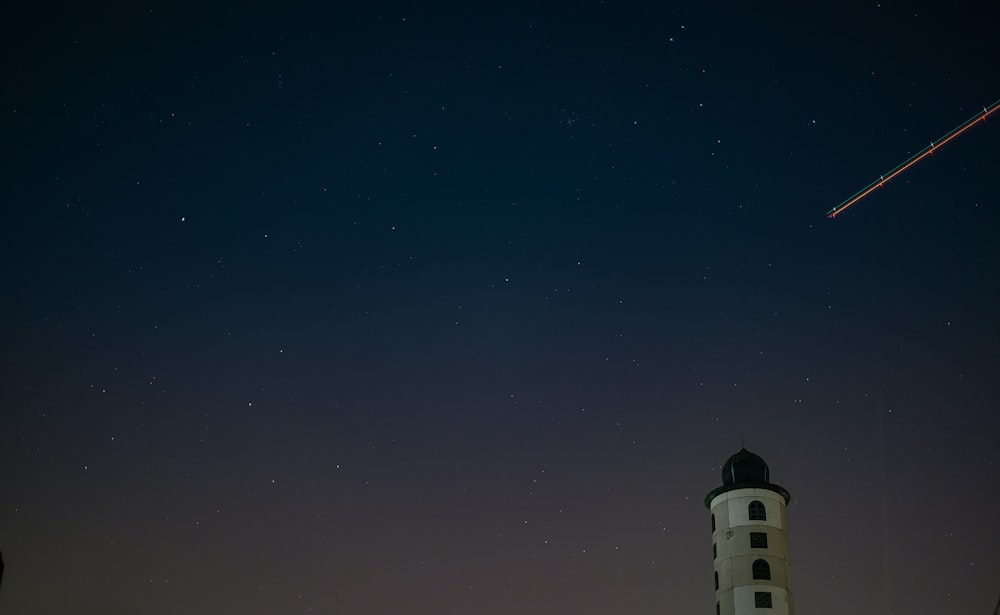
{"x":750,"y":541}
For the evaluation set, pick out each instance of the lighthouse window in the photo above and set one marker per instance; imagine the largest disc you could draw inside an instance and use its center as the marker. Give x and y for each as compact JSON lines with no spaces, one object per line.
{"x":757,"y":511}
{"x":758,"y":540}
{"x":715,"y":551}
{"x":716,"y":579}
{"x":713,"y":522}
{"x":762,"y":600}
{"x":718,"y":609}
{"x":761,"y":570}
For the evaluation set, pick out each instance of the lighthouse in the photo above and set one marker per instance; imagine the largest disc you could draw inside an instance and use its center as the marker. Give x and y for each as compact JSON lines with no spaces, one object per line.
{"x":750,"y":540}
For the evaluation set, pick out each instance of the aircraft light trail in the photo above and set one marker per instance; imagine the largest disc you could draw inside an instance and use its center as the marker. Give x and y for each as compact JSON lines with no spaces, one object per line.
{"x":912,"y":160}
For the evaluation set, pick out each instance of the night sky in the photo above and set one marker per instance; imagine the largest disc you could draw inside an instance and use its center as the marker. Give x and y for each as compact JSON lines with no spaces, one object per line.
{"x":460,"y":309}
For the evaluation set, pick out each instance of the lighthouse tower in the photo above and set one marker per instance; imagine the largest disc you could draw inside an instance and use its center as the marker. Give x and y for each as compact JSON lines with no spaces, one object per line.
{"x":750,"y":540}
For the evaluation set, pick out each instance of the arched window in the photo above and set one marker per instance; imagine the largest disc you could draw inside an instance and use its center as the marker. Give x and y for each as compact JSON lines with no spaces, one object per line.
{"x":757,"y":511}
{"x":761,"y":570}
{"x":715,"y":551}
{"x":713,"y":522}
{"x":718,"y":609}
{"x":716,"y":579}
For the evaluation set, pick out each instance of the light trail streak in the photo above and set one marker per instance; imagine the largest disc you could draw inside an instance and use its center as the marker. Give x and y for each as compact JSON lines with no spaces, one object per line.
{"x":912,"y":160}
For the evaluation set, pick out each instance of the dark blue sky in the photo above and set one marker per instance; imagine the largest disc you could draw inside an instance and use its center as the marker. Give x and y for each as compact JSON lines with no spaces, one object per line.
{"x":460,"y":309}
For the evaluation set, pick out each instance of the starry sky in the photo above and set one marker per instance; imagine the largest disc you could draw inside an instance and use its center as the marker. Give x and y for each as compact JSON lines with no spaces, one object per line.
{"x":460,"y":308}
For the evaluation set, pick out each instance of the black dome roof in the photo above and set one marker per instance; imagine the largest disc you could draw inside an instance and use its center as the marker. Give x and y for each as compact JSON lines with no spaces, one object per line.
{"x":746,"y":470}
{"x":745,"y":467}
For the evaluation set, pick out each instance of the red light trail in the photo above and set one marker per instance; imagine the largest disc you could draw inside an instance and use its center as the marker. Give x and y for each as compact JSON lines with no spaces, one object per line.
{"x":912,"y":160}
